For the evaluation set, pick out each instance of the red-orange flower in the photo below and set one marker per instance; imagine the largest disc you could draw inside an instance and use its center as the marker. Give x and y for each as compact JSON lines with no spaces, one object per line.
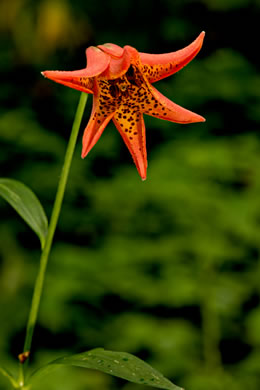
{"x":120,"y":80}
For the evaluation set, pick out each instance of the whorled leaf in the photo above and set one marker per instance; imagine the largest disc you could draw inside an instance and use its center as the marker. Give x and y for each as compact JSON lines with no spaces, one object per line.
{"x":27,"y":205}
{"x":5,"y":373}
{"x":120,"y":364}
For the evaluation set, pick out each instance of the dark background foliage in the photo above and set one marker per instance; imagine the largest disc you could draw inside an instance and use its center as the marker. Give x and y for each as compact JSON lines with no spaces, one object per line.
{"x":166,"y":269}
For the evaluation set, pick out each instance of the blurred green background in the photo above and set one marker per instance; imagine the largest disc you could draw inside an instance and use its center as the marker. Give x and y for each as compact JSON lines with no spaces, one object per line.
{"x":167,"y":269}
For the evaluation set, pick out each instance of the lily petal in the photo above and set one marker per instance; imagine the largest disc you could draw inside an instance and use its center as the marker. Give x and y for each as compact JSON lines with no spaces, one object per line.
{"x":97,"y":61}
{"x":132,"y":129}
{"x":112,"y":49}
{"x":75,"y":79}
{"x":159,"y":66}
{"x":118,"y":66}
{"x":96,"y":125}
{"x":166,"y":109}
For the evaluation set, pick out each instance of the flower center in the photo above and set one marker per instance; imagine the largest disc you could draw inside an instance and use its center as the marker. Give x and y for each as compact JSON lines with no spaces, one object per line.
{"x":125,"y":84}
{"x":123,"y":87}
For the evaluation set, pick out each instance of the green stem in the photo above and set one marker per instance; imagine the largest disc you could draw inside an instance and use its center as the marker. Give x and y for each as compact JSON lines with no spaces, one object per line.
{"x":52,"y":227}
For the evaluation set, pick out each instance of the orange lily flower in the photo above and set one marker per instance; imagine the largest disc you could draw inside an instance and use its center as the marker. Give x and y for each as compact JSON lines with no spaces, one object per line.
{"x":120,"y":80}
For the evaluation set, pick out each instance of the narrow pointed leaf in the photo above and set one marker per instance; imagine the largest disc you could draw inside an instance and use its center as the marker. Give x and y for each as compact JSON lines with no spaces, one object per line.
{"x":5,"y":373}
{"x":120,"y":364}
{"x":27,"y":205}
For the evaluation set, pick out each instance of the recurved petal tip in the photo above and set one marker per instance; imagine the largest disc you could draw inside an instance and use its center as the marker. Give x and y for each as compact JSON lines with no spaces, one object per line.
{"x":199,"y":118}
{"x":97,"y":61}
{"x":199,"y":40}
{"x":54,"y":74}
{"x":192,"y":117}
{"x":112,"y":49}
{"x":75,"y":79}
{"x":169,"y":63}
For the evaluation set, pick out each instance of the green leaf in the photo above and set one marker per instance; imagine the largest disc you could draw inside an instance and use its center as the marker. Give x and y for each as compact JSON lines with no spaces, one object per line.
{"x":5,"y":373}
{"x":27,"y":205}
{"x":120,"y":364}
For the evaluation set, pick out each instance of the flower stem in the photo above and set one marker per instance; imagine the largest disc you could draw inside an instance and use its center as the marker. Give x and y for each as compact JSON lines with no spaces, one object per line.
{"x":53,"y":223}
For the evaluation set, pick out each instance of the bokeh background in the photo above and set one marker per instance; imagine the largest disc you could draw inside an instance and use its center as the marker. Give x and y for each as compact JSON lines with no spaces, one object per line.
{"x":167,"y":269}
